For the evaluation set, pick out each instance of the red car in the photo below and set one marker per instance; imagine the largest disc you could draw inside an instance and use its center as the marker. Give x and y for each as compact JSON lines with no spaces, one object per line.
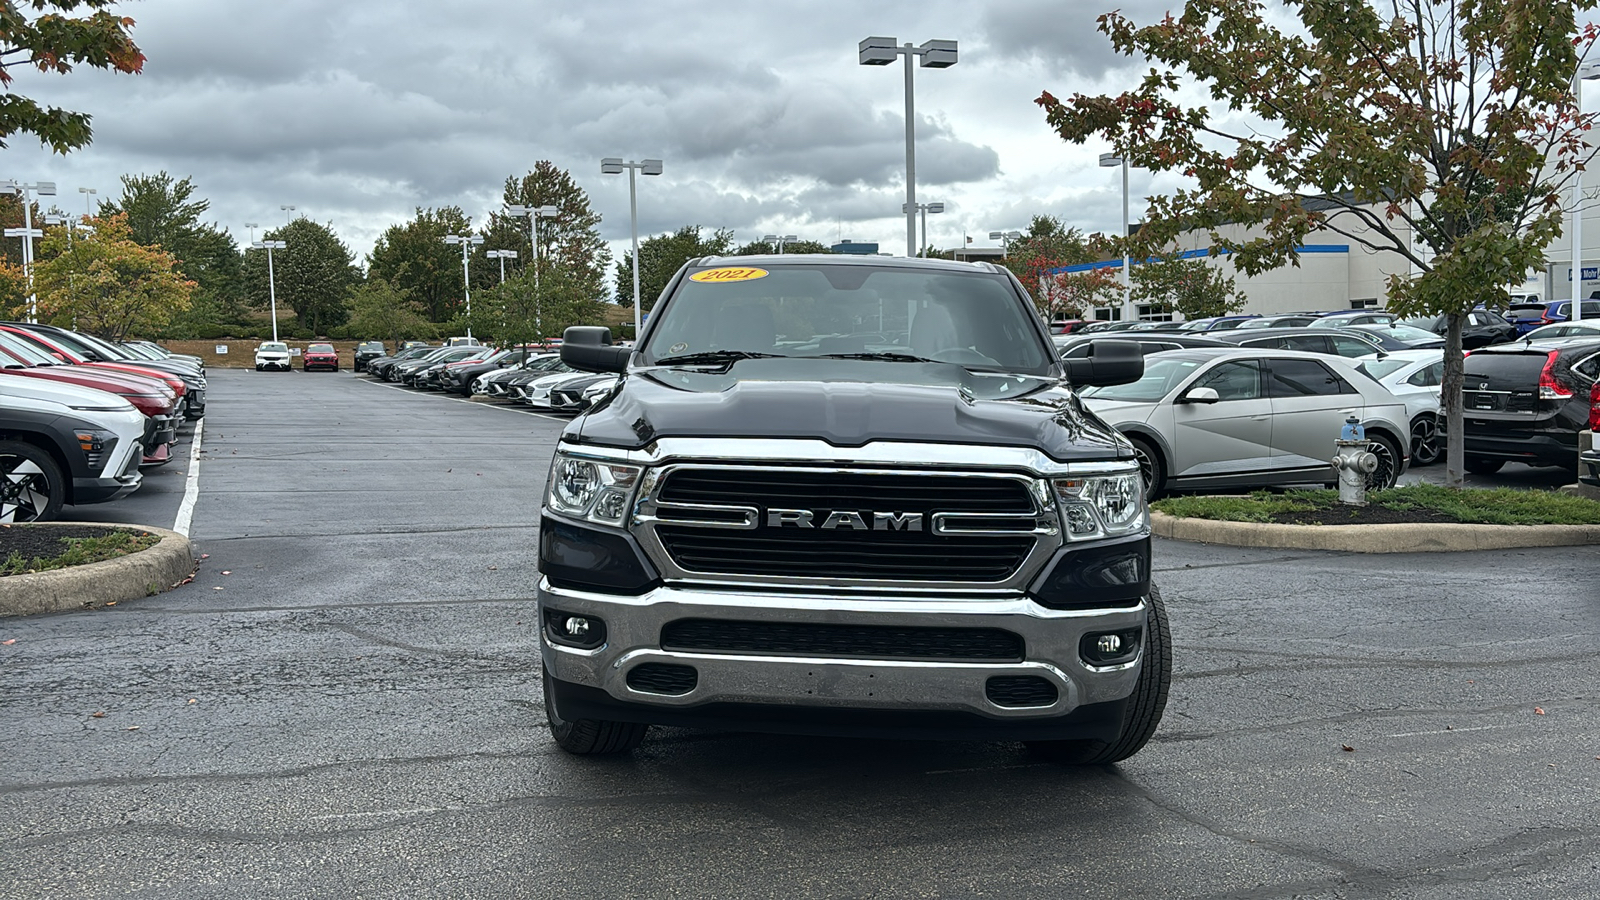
{"x":320,"y":356}
{"x":148,"y":394}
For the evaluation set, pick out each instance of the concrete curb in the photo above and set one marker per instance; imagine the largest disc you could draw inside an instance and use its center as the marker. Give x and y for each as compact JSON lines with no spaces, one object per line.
{"x":1417,"y":538}
{"x":147,"y":572}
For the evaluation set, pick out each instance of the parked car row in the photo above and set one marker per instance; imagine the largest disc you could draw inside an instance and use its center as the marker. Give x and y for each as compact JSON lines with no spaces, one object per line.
{"x":528,"y":376}
{"x":275,"y":356}
{"x":1524,"y":401}
{"x":80,"y":416}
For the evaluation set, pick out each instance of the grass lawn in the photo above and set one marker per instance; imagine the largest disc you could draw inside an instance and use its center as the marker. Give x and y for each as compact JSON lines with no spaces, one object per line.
{"x":1501,"y":506}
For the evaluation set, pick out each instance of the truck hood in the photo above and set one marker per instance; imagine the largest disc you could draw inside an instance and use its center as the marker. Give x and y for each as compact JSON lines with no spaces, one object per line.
{"x":848,"y":404}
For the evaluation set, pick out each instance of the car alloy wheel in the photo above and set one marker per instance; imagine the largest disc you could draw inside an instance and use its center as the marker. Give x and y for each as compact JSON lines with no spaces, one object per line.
{"x":31,"y":487}
{"x":1388,"y":470}
{"x":1425,"y":449}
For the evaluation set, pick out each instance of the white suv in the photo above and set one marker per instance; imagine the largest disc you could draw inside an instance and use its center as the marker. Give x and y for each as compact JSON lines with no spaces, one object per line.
{"x":272,"y":355}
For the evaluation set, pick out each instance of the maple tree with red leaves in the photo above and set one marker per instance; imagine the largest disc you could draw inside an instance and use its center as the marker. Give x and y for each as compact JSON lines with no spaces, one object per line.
{"x":1442,"y":133}
{"x":46,"y":35}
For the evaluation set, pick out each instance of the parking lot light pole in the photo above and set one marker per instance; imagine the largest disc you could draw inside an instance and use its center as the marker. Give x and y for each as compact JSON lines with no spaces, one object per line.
{"x":1005,"y":238}
{"x":778,"y":240}
{"x":613,"y":165}
{"x":272,"y":289}
{"x":467,"y":242}
{"x":287,"y":213}
{"x":1588,"y":71}
{"x":926,"y":208}
{"x":502,"y":255}
{"x":27,"y":232}
{"x":1107,"y":160}
{"x":881,"y":51}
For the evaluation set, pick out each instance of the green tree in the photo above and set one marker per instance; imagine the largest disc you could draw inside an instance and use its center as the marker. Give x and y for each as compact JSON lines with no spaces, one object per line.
{"x":415,"y":259}
{"x":1074,"y":295}
{"x":380,"y":310}
{"x":1193,"y":287}
{"x":313,"y":275}
{"x":53,"y":40}
{"x":1047,"y":245}
{"x":570,"y":238}
{"x":762,"y":248}
{"x":107,"y":283}
{"x":1439,"y":133}
{"x":163,"y":212}
{"x":662,"y":256}
{"x":517,"y":312}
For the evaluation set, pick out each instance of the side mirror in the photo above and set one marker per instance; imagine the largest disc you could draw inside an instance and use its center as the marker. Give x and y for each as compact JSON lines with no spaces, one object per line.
{"x":588,"y":348}
{"x":1106,"y":363}
{"x":1200,"y":395}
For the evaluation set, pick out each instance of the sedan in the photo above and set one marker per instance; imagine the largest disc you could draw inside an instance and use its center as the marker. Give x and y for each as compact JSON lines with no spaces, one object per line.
{"x":1582,"y":329}
{"x":1481,"y":329}
{"x":319,"y":356}
{"x":1414,"y":376}
{"x":1202,"y":419}
{"x":1346,"y":342}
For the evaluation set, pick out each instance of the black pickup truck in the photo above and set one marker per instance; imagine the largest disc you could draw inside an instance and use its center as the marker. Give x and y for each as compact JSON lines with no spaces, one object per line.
{"x":849,"y":496}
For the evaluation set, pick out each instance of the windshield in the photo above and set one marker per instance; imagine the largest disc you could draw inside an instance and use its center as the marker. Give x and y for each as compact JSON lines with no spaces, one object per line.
{"x":1378,"y":368}
{"x":1161,"y":375}
{"x":29,"y":352}
{"x":271,"y":348}
{"x":1401,"y":332}
{"x":973,"y":319}
{"x":320,"y":348}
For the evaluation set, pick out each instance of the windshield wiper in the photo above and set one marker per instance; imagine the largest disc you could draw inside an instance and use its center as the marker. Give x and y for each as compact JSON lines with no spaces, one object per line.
{"x":882,"y":356}
{"x":712,"y":357}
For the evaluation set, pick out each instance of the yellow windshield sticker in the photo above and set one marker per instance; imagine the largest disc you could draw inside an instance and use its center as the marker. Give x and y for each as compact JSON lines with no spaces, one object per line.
{"x":730,"y":274}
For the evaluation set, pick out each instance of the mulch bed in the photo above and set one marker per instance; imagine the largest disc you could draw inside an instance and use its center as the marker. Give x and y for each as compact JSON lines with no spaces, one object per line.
{"x":46,"y":543}
{"x":1361,"y":515}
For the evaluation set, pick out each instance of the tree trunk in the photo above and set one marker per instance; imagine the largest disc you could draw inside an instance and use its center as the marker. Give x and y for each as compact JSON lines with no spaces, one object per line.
{"x":1450,"y":400}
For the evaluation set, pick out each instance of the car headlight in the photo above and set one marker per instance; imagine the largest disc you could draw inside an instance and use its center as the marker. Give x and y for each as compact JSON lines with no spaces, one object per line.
{"x":592,"y":490}
{"x":1094,"y":506}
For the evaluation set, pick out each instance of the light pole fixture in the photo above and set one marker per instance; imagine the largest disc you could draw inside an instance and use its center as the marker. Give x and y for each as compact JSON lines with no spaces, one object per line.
{"x":88,"y":193}
{"x":1005,"y":238}
{"x":881,"y":51}
{"x":502,"y":255}
{"x":1109,"y":160}
{"x":27,"y":232}
{"x":287,"y":209}
{"x":613,"y":165}
{"x":1588,"y":71}
{"x":534,"y":214}
{"x":926,"y":208}
{"x":252,"y":226}
{"x":779,"y":240}
{"x":272,"y":288}
{"x":467,"y":242}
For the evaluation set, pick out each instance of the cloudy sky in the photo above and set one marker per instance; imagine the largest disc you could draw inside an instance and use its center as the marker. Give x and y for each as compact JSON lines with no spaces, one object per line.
{"x":357,"y":112}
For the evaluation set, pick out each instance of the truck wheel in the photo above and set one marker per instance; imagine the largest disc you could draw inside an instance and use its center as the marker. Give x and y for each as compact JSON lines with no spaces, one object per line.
{"x":1144,"y":708}
{"x":1483,"y":465}
{"x":31,"y":486}
{"x":590,"y":737}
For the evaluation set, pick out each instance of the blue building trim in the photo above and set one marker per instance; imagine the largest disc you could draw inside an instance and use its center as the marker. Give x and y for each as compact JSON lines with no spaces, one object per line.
{"x":1187,"y":254}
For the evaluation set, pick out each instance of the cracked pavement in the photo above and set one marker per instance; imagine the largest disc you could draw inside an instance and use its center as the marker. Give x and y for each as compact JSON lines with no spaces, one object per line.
{"x":356,"y":713}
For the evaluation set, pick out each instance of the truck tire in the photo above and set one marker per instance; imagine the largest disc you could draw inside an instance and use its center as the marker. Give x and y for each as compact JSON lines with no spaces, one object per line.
{"x":1144,"y":708}
{"x":590,"y":737}
{"x":31,"y":486}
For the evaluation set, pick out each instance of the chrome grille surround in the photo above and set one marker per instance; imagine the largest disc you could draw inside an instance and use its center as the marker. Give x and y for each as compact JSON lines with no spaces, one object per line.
{"x":1041,"y":523}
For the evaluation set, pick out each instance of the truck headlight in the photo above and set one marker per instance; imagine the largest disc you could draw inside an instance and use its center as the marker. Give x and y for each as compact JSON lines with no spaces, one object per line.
{"x":1095,"y":506}
{"x":591,"y":489}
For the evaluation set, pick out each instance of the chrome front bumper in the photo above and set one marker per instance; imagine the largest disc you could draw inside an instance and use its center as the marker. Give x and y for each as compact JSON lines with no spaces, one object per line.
{"x":633,"y":628}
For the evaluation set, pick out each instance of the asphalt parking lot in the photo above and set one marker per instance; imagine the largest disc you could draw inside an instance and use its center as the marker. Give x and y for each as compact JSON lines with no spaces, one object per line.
{"x":345,"y":703}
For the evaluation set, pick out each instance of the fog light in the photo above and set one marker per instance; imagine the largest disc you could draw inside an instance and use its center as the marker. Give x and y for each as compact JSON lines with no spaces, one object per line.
{"x":566,"y":630}
{"x":1110,"y":648}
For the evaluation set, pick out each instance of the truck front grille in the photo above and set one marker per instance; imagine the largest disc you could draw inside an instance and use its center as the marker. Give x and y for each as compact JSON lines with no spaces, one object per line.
{"x":841,"y":641}
{"x":920,"y":549}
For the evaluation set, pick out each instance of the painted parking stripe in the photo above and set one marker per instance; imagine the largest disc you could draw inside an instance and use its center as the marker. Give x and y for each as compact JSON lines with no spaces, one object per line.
{"x":191,"y":483}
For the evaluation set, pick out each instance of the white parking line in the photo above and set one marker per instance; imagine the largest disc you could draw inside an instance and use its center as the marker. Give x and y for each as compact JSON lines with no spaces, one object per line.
{"x":1453,"y":730}
{"x":523,"y":412}
{"x":191,"y":483}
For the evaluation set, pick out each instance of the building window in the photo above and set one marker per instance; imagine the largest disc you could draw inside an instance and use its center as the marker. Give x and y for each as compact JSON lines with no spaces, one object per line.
{"x":1154,"y":312}
{"x":1368,"y":303}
